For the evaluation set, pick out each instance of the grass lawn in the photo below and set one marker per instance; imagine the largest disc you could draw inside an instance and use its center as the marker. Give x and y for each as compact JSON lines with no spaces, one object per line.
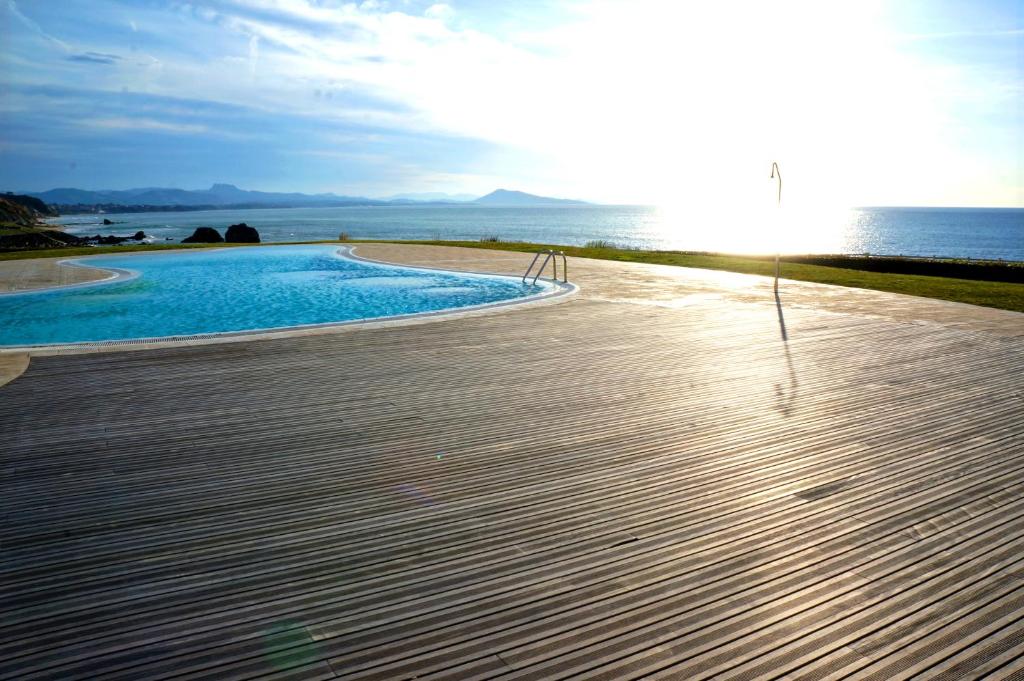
{"x":11,"y":228}
{"x":1003,"y":295}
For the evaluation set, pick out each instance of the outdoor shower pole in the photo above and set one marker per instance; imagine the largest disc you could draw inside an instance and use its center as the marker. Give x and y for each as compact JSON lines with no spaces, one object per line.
{"x":777,"y":173}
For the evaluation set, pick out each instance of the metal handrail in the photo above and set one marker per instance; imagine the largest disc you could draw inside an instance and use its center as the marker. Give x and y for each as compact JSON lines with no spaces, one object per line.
{"x":553,"y":257}
{"x":540,"y":270}
{"x":534,"y":262}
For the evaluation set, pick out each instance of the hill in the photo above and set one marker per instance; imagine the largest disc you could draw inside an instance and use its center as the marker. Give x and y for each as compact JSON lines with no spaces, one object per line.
{"x":216,"y":195}
{"x":506,"y":197}
{"x":431,"y":197}
{"x":14,"y":214}
{"x":21,"y":229}
{"x":30,"y":202}
{"x":73,"y":200}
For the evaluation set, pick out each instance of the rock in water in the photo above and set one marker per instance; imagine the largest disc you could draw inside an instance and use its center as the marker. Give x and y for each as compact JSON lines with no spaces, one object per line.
{"x":204,"y":235}
{"x":139,"y":235}
{"x":107,"y":222}
{"x":242,"y":234}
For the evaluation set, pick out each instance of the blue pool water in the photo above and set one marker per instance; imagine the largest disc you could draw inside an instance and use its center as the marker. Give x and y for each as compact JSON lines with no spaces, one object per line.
{"x":236,"y":289}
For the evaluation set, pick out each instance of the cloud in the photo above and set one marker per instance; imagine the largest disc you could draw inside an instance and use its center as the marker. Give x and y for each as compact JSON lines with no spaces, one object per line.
{"x":631,"y":101}
{"x":954,"y":35}
{"x":440,"y":11}
{"x":94,"y":58}
{"x":254,"y":54}
{"x":12,"y":7}
{"x":151,"y":124}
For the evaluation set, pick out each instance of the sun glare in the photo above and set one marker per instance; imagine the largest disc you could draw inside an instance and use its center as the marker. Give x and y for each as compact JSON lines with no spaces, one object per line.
{"x":661,"y":103}
{"x":751,"y":229}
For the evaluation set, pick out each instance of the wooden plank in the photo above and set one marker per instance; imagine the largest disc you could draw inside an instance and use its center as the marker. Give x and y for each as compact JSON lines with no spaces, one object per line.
{"x":640,"y":490}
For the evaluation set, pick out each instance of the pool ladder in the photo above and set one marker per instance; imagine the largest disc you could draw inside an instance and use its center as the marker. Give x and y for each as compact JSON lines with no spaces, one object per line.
{"x":553,"y":257}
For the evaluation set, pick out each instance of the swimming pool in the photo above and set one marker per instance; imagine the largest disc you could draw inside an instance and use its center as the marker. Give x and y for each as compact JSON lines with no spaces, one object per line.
{"x":161,"y":295}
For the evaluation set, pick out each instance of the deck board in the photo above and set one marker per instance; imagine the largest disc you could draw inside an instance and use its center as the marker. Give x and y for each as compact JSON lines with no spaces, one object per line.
{"x":603,"y":488}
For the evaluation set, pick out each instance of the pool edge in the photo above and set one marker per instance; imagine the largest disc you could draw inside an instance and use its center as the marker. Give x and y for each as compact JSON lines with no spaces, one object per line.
{"x":560,"y":292}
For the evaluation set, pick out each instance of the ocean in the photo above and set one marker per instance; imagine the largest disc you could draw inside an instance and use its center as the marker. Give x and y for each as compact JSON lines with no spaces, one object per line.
{"x":982,"y":233}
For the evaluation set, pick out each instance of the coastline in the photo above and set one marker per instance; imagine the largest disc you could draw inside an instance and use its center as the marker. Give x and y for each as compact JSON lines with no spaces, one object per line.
{"x":922,"y":233}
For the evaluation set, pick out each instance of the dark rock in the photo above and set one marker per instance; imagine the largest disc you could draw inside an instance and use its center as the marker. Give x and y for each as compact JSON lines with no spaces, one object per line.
{"x":111,"y":240}
{"x":65,"y":238}
{"x":33,"y":240}
{"x":242,"y":234}
{"x":107,"y":222}
{"x":108,"y":240}
{"x":204,"y":235}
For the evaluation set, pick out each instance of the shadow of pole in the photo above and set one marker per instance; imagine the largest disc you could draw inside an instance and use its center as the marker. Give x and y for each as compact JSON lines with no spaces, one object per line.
{"x":785,"y":396}
{"x":782,"y":319}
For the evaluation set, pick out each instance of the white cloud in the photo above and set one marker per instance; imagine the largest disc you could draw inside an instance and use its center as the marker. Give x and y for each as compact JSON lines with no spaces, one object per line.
{"x":124,"y":123}
{"x":254,"y":54}
{"x":12,"y":7}
{"x":637,"y":101}
{"x":440,"y":11}
{"x":645,"y":100}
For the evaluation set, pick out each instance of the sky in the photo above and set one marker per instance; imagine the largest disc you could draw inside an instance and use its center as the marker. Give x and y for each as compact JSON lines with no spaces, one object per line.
{"x":865,"y":103}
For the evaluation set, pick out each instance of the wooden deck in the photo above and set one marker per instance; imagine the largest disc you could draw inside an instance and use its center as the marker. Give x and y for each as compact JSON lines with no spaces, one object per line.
{"x":671,"y":487}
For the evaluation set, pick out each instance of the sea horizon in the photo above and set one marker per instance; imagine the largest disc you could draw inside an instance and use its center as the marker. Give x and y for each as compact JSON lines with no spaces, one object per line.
{"x":987,"y":233}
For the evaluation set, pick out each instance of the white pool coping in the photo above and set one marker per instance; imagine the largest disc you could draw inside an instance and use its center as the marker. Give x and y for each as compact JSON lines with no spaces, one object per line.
{"x":555,"y":292}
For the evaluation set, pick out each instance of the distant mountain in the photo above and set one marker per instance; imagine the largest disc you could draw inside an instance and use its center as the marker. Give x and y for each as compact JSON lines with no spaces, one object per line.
{"x":65,"y":195}
{"x":217,"y":195}
{"x":228,"y":195}
{"x":505,"y":197}
{"x":431,"y":197}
